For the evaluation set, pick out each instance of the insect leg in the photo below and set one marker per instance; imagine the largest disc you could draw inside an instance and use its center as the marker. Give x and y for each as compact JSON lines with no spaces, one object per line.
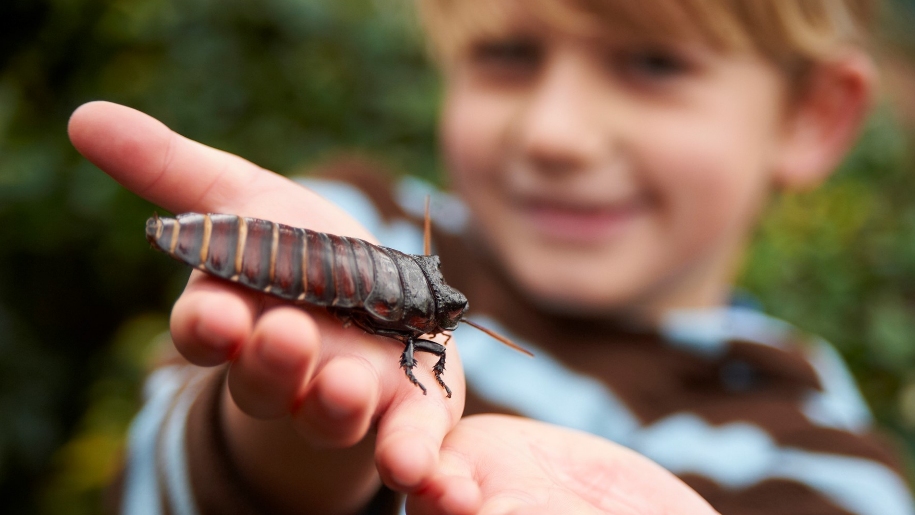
{"x":439,"y":350}
{"x":344,"y":317}
{"x":407,"y":363}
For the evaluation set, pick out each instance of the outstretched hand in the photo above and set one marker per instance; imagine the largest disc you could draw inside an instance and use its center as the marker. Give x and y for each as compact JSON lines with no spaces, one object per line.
{"x":297,"y":378}
{"x":500,"y":465}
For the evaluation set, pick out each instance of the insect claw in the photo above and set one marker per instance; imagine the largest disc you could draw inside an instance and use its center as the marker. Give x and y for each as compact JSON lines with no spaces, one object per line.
{"x":413,"y":380}
{"x":438,"y":370}
{"x":407,"y":362}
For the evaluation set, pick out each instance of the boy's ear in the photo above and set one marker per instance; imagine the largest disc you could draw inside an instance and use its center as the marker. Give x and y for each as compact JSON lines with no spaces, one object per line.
{"x":823,"y":120}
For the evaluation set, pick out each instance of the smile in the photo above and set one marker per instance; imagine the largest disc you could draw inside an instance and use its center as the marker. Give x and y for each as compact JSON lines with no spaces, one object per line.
{"x":574,"y":224}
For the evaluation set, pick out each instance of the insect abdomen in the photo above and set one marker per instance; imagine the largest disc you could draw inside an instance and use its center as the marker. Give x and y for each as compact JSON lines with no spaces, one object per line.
{"x":288,"y":262}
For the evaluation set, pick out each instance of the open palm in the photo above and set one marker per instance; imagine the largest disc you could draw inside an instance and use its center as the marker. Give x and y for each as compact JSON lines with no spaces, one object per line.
{"x":496,"y":464}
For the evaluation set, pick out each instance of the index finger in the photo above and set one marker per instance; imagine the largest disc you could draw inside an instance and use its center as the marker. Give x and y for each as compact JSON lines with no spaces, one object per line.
{"x":182,"y":175}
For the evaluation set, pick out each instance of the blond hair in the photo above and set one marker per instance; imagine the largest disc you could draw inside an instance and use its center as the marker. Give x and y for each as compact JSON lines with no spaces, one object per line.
{"x":791,"y":33}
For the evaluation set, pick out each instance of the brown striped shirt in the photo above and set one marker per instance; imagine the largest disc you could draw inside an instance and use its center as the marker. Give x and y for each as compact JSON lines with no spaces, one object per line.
{"x":755,"y":415}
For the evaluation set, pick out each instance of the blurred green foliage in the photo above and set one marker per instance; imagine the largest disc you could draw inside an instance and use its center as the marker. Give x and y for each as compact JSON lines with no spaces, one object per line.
{"x":287,"y":83}
{"x":840,"y":262}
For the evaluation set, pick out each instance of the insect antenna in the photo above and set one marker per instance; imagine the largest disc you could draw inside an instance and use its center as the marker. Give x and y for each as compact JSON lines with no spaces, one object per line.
{"x":499,"y":337}
{"x":427,"y":231}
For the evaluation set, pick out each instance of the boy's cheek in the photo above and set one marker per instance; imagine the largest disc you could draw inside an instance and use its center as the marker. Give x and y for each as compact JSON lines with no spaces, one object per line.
{"x":473,"y":131}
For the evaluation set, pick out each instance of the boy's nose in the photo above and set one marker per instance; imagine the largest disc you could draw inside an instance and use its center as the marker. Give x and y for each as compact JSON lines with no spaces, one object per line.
{"x":558,"y":129}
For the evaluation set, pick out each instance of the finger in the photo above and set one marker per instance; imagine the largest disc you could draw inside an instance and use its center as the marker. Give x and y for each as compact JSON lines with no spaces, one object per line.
{"x":337,"y":409}
{"x":461,"y":496}
{"x":211,"y":320}
{"x":182,"y":175}
{"x":551,"y":500}
{"x":453,"y":489}
{"x":278,"y":358}
{"x":410,"y":436}
{"x":542,"y":510}
{"x":155,"y":162}
{"x":448,"y":495}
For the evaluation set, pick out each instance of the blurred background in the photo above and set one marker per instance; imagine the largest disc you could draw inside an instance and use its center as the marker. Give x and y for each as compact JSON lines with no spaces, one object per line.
{"x":287,"y":84}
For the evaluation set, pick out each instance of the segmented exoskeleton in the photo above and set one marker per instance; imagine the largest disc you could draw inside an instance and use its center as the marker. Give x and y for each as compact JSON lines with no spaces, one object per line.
{"x":382,"y":290}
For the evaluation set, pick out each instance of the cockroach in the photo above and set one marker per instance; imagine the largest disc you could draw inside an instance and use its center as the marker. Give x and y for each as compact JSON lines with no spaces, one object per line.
{"x":379,"y":289}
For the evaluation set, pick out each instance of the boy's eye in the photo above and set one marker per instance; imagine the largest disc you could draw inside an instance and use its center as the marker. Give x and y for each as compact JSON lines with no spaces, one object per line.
{"x":507,"y":59}
{"x":651,"y":65}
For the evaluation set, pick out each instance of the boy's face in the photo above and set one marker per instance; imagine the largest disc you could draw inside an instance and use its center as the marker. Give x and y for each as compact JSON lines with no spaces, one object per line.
{"x":615,"y":173}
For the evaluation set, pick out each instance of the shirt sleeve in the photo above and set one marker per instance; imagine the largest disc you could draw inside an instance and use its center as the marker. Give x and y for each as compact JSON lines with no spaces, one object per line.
{"x":177,"y":460}
{"x":156,"y":477}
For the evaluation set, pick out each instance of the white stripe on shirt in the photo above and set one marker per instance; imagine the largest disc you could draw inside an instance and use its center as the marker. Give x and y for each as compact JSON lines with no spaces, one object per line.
{"x":141,"y":483}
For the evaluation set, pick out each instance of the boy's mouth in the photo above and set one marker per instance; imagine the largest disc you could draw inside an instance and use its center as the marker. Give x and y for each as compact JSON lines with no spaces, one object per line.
{"x":577,"y":224}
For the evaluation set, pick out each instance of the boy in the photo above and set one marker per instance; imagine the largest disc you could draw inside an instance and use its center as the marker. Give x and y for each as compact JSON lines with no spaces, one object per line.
{"x":614,"y":157}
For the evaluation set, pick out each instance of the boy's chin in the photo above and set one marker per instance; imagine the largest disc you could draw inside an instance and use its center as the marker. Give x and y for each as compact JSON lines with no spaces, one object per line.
{"x":622,"y":316}
{"x":576,"y":303}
